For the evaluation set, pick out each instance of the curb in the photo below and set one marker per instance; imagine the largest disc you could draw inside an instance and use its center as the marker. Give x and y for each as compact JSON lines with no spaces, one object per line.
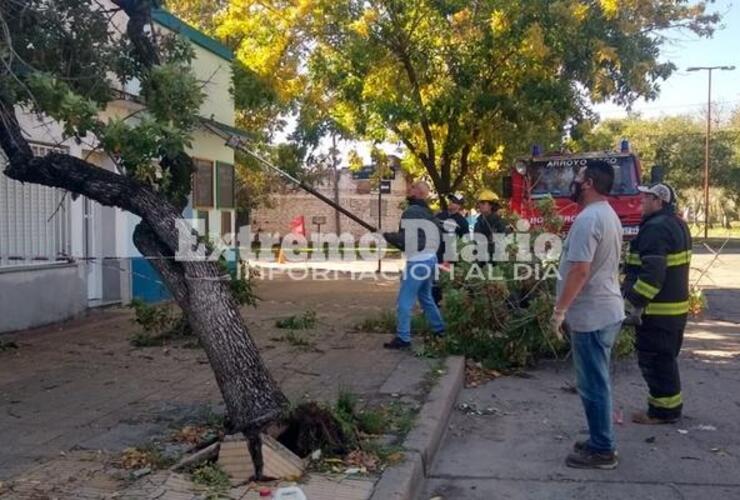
{"x":405,"y":481}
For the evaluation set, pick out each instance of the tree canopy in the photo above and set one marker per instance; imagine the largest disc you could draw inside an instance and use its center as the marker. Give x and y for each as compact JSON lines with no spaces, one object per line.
{"x":677,"y":144}
{"x":464,"y":85}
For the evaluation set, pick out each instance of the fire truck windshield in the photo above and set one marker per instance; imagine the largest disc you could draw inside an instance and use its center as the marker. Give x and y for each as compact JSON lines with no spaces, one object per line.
{"x":554,"y":176}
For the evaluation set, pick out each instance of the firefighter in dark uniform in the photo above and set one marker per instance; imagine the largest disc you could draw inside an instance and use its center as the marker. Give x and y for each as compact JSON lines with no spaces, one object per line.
{"x":657,"y":300}
{"x":489,"y":221}
{"x":452,"y":220}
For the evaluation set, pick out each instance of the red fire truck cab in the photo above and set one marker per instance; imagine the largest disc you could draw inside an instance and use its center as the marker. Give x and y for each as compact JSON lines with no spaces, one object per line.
{"x":539,"y":176}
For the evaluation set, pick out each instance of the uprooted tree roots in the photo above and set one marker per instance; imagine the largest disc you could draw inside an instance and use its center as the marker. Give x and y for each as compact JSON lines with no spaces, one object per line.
{"x":312,"y":427}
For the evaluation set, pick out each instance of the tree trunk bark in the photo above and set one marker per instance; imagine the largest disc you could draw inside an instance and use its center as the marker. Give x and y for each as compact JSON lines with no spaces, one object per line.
{"x":253,"y":398}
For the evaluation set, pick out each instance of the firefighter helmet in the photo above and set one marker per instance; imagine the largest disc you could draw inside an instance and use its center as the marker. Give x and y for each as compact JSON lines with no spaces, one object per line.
{"x":487,"y":195}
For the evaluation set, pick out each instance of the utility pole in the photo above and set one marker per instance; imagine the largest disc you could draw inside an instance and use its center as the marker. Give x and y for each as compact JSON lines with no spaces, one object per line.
{"x":709,"y":70}
{"x":380,"y":220}
{"x":335,"y":166}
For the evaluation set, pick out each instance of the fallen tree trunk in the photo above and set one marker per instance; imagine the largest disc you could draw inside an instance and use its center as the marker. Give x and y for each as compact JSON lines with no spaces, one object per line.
{"x":200,"y":287}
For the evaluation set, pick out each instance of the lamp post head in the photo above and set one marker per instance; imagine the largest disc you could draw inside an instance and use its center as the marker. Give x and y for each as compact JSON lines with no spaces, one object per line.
{"x":710,"y":68}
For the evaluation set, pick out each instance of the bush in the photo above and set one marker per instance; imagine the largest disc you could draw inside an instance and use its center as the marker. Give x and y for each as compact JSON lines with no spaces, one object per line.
{"x":496,"y":316}
{"x":213,"y":477}
{"x":496,"y":319}
{"x":159,"y":323}
{"x":304,"y":321}
{"x":163,"y":322}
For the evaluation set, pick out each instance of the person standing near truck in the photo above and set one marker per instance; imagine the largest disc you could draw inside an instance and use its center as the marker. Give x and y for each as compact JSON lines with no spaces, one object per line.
{"x":453,"y":221}
{"x":489,"y":221}
{"x":589,"y":301}
{"x":657,"y":299}
{"x":418,"y":236}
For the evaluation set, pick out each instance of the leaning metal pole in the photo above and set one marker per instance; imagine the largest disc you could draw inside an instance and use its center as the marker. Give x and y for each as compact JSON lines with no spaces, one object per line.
{"x":238,"y":144}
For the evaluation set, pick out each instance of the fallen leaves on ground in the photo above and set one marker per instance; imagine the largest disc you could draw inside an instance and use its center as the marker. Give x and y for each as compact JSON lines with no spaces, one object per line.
{"x":134,"y":458}
{"x":476,"y":374}
{"x":191,"y":434}
{"x":362,"y":460}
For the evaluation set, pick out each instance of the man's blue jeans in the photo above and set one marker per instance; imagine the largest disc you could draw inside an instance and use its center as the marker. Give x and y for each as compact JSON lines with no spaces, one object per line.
{"x":416,"y":283}
{"x":591,"y":355}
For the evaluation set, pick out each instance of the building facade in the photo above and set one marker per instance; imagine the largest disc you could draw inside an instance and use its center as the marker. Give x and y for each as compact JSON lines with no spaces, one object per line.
{"x":60,"y":256}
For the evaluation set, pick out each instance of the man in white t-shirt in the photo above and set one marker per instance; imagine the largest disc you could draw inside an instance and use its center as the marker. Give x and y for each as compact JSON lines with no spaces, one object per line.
{"x":590,"y":302}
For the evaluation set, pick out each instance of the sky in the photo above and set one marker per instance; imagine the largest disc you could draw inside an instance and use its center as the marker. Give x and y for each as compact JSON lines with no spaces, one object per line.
{"x":686,"y":92}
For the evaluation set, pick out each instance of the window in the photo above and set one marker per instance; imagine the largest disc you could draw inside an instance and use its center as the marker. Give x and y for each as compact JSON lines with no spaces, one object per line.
{"x":203,"y":184}
{"x":202,"y":215}
{"x":226,"y":228}
{"x":556,"y":179}
{"x":34,"y":220}
{"x":225,"y":185}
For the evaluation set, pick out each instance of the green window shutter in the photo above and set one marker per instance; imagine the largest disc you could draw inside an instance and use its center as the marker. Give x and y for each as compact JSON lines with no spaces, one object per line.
{"x":225,"y":183}
{"x":203,"y":184}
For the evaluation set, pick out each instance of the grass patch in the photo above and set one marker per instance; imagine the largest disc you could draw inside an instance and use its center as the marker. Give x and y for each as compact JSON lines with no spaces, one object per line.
{"x":212,"y":477}
{"x":385,"y":322}
{"x":296,"y":339}
{"x":371,"y":422}
{"x":160,"y":324}
{"x":305,"y":321}
{"x":6,"y":346}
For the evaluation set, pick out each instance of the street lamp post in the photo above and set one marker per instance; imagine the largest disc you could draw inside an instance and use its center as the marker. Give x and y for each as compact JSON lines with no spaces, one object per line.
{"x":709,"y":70}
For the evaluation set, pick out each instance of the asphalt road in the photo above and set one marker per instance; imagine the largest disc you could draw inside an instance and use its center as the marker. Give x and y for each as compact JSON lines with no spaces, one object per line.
{"x":517,"y":451}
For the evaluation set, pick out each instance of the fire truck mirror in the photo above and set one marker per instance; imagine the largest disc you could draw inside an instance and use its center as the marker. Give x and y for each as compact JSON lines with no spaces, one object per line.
{"x":507,"y":187}
{"x":657,"y":173}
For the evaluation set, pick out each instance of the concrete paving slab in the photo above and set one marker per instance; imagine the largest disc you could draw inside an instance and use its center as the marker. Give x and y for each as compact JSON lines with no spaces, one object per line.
{"x":521,"y":446}
{"x":508,"y":489}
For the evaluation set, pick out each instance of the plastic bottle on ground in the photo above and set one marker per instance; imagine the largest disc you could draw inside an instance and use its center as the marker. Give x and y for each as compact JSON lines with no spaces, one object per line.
{"x":289,"y":493}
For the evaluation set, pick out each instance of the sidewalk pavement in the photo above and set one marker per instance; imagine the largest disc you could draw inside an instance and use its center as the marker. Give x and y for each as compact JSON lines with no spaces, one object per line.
{"x":516,"y":450}
{"x":80,"y":388}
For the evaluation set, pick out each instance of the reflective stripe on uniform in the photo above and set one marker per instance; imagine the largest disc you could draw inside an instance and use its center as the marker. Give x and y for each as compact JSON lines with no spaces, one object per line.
{"x":645,"y":289}
{"x":633,"y":259}
{"x":667,"y":402}
{"x":679,"y":259}
{"x":667,"y":308}
{"x":672,"y":259}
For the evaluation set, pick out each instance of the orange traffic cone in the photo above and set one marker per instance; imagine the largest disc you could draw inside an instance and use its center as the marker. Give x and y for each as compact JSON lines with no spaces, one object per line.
{"x":281,"y":257}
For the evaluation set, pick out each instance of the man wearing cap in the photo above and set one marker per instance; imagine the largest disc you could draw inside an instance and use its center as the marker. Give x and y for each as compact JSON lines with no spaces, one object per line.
{"x":453,"y":221}
{"x":656,"y":290}
{"x":452,"y":218}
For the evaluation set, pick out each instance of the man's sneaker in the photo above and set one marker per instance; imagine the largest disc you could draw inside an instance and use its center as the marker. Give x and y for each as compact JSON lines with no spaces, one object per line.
{"x":397,"y":344}
{"x":642,"y":417}
{"x":588,"y":459}
{"x":579,"y":446}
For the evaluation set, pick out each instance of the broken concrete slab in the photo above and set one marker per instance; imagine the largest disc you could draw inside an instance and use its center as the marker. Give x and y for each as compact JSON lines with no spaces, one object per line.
{"x":280,"y":462}
{"x":208,"y":453}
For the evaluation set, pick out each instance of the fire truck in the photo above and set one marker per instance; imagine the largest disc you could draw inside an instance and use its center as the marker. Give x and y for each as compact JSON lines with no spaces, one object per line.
{"x":542,"y":175}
